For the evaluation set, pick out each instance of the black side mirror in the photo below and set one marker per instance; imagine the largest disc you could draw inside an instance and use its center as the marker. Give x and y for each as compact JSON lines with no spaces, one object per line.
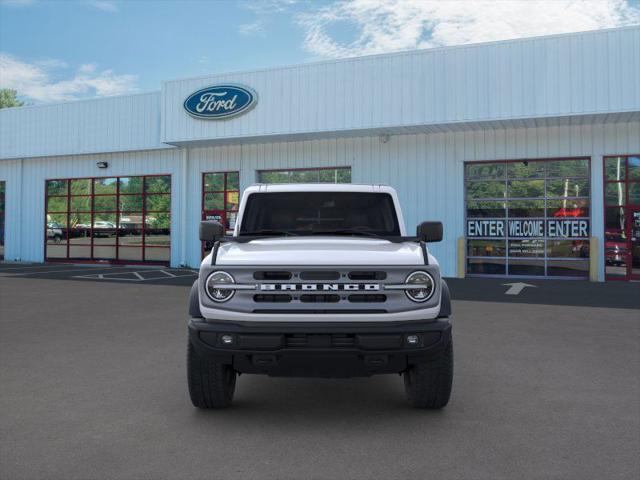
{"x":211,"y":231}
{"x":430,"y":232}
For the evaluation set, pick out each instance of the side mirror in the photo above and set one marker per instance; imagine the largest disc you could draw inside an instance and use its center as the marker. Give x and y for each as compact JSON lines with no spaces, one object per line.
{"x":430,"y":231}
{"x":211,"y":231}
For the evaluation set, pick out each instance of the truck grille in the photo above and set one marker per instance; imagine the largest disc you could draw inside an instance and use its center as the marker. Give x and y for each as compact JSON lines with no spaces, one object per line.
{"x":320,"y":290}
{"x":320,"y":341}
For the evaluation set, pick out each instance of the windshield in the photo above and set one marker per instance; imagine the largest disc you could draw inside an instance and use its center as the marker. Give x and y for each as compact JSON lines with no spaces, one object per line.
{"x":320,"y":213}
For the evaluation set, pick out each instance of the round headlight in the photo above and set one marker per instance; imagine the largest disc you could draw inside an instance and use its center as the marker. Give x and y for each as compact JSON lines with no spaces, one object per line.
{"x":425,"y":286}
{"x":218,"y":294}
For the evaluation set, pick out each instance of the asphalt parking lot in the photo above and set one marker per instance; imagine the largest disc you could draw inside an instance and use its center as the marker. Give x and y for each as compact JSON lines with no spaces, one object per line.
{"x":92,"y":386}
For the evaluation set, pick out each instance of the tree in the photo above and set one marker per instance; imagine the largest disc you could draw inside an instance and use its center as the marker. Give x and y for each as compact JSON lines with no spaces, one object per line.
{"x":8,"y":98}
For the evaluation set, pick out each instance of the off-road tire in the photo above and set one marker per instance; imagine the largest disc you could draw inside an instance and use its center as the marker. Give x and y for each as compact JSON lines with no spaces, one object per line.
{"x":428,"y":383}
{"x":211,"y":384}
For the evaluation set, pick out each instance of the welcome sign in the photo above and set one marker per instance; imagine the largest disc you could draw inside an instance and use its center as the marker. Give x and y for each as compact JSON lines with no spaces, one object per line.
{"x":219,"y":102}
{"x":528,"y":228}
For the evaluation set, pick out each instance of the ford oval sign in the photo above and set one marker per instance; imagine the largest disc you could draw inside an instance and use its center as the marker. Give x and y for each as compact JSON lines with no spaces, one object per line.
{"x":220,"y":101}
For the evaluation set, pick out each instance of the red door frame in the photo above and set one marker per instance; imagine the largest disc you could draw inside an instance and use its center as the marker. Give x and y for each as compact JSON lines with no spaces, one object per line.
{"x":221,"y":213}
{"x":631,"y":209}
{"x":628,"y":216}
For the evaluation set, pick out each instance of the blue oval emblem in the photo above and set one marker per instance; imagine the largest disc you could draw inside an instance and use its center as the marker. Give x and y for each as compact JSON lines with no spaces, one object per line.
{"x":220,"y":101}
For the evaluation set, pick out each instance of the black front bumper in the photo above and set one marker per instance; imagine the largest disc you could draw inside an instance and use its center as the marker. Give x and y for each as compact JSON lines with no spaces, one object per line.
{"x":319,"y":350}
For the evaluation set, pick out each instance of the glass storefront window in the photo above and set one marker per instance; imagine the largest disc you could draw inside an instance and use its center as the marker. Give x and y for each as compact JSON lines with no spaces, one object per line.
{"x":614,"y":193}
{"x":220,"y":197}
{"x":109,"y":219}
{"x":622,"y":217}
{"x":528,"y":218}
{"x":311,"y":175}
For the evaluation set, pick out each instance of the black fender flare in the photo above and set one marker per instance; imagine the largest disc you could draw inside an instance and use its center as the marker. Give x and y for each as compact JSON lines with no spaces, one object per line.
{"x":445,"y":301}
{"x":194,"y":301}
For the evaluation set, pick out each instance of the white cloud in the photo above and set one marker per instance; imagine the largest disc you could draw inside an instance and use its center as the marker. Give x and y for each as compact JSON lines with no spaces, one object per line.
{"x":36,"y":81}
{"x":389,"y":25}
{"x":252,"y":29}
{"x":104,"y":5}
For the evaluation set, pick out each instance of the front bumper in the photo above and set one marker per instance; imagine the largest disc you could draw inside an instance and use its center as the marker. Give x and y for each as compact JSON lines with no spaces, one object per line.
{"x":319,"y":349}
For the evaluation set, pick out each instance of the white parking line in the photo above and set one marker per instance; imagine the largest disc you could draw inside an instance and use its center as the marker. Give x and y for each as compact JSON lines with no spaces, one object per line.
{"x":139,"y":277}
{"x":15,"y":274}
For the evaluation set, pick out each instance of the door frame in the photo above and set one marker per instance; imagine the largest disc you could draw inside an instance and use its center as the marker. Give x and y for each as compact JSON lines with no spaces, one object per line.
{"x":628,"y":217}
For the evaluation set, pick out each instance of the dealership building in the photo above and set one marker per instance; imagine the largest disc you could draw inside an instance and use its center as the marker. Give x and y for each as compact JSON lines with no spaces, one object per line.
{"x":527,"y":150}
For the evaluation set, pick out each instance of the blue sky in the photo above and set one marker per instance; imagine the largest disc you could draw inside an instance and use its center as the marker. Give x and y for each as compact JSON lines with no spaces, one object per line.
{"x":63,"y":50}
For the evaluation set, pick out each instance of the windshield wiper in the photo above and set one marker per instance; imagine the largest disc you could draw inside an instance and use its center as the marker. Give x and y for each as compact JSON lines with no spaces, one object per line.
{"x":266,"y":231}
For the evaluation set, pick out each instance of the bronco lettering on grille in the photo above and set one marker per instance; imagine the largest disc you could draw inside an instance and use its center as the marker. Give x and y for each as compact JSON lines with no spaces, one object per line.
{"x":325,"y":287}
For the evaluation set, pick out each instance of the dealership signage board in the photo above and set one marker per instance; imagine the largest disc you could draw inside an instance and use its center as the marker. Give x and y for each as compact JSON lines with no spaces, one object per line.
{"x":529,"y":228}
{"x":219,"y":102}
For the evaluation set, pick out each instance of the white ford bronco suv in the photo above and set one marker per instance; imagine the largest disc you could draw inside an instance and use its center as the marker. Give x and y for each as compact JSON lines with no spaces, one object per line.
{"x":319,"y":280}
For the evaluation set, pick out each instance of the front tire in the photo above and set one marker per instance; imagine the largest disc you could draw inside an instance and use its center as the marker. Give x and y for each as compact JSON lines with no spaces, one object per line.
{"x":428,"y":383}
{"x":211,"y":384}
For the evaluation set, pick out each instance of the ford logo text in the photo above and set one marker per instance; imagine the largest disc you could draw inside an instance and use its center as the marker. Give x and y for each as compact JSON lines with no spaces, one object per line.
{"x":220,"y":101}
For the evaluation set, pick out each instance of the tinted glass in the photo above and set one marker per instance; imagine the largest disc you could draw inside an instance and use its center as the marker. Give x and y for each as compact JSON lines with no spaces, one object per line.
{"x":214,"y":182}
{"x":614,"y":193}
{"x":57,"y":204}
{"x":214,"y":201}
{"x":130,"y":185}
{"x":477,"y":208}
{"x":542,"y":199}
{"x":158,"y":203}
{"x":567,"y":208}
{"x":568,"y":248}
{"x":106,"y":203}
{"x":56,"y":187}
{"x":81,"y":186}
{"x":233,"y":181}
{"x":634,"y":193}
{"x":80,"y":204}
{"x":485,"y":189}
{"x":486,"y":248}
{"x":486,"y":266}
{"x":131,"y":203}
{"x":328,"y":175}
{"x":633,"y":168}
{"x":105,"y":185}
{"x":161,"y":184}
{"x":485,"y":171}
{"x":568,"y":188}
{"x":525,"y":188}
{"x":527,"y":169}
{"x":615,"y":168}
{"x":316,"y":213}
{"x":568,"y":268}
{"x":568,"y":168}
{"x":526,"y":208}
{"x":526,"y":248}
{"x":526,"y":267}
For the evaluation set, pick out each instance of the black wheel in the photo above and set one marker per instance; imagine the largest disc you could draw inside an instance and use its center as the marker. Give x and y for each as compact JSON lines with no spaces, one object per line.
{"x":428,"y":383}
{"x":211,"y":384}
{"x":57,"y":239}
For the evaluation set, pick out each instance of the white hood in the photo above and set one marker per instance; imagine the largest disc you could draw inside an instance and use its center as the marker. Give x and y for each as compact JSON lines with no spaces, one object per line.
{"x":321,"y":251}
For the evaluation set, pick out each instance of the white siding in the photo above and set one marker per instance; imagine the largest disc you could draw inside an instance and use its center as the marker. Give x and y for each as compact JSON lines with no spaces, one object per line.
{"x":426,"y":169}
{"x":548,"y":77}
{"x":25,"y":200}
{"x":90,"y":126}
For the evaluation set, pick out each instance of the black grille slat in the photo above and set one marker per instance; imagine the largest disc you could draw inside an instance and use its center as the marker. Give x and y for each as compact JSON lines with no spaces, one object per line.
{"x":319,"y":298}
{"x":272,"y":298}
{"x":272,"y":275}
{"x":367,"y":275}
{"x":364,"y":298}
